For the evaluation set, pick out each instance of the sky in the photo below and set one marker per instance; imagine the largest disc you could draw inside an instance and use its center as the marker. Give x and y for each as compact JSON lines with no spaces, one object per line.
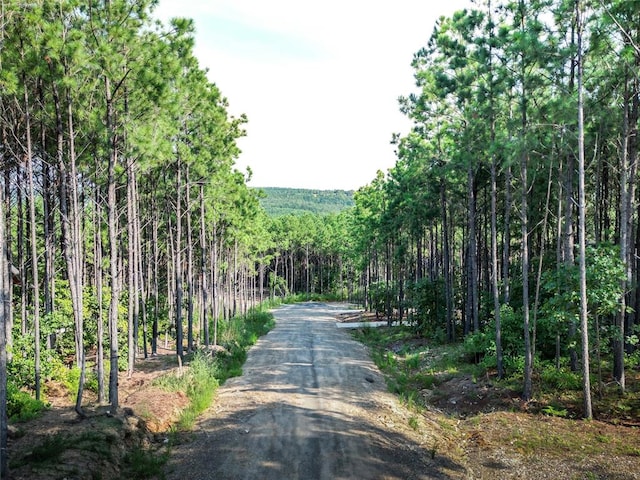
{"x":319,"y":81}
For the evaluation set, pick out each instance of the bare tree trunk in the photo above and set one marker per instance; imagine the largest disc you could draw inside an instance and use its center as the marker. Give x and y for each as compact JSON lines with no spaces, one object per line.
{"x":472,"y":255}
{"x":75,"y":256}
{"x":34,"y":245}
{"x":9,"y":281}
{"x":494,"y":262}
{"x":112,"y":224}
{"x":584,"y":324}
{"x":156,"y":288}
{"x":22,"y":255}
{"x":205,"y":273}
{"x":131,"y":272}
{"x":524,"y":156}
{"x":446,"y":265}
{"x":178,"y":265}
{"x":215,"y":284}
{"x":5,"y":312}
{"x":189,"y":263}
{"x":97,"y":255}
{"x":618,"y":338}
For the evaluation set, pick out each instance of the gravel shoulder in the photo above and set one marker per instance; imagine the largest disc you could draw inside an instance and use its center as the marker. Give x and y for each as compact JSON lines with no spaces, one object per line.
{"x":311,"y":404}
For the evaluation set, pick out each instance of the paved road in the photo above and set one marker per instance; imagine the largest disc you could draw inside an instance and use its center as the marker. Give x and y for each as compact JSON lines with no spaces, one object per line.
{"x":309,"y":405}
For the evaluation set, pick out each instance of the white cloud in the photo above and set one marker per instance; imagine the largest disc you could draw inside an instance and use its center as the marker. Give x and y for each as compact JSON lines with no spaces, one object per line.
{"x":319,"y":81}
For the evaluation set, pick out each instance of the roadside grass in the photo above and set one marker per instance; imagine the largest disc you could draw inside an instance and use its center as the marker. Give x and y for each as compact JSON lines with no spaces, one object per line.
{"x":206,"y":370}
{"x":140,"y":465}
{"x":410,"y":366}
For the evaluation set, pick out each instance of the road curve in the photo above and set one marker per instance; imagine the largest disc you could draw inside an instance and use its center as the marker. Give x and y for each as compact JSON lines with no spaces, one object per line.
{"x":309,"y":405}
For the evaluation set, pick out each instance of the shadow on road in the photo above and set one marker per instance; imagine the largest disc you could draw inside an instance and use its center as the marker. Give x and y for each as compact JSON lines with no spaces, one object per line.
{"x":310,"y":405}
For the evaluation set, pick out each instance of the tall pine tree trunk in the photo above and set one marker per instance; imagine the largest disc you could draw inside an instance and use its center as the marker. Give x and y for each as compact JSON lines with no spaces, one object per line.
{"x":524,"y":156}
{"x":446,"y":266}
{"x":112,"y":226}
{"x":5,"y":313}
{"x":33,"y":243}
{"x":584,"y":325}
{"x":204,"y":288}
{"x":190,"y":288}
{"x":178,"y":265}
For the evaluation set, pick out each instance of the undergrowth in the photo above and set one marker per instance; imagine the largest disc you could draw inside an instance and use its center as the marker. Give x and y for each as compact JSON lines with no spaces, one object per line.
{"x":412,"y":364}
{"x":206,"y":372}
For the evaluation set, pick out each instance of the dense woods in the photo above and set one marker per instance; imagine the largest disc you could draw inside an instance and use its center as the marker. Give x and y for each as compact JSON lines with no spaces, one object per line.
{"x":285,"y":201}
{"x":511,"y":217}
{"x":123,"y":218}
{"x":509,"y":222}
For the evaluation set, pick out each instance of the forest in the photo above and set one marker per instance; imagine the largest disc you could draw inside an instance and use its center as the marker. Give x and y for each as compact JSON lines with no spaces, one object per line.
{"x":509,"y":222}
{"x":284,"y":201}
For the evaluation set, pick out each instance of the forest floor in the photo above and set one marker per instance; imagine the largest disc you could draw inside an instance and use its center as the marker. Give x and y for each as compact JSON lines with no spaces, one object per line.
{"x":101,"y":446}
{"x":476,"y":424}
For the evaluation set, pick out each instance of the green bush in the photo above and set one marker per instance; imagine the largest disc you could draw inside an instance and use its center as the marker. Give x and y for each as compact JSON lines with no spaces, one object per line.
{"x":21,"y":406}
{"x":428,"y":301}
{"x":560,"y":379}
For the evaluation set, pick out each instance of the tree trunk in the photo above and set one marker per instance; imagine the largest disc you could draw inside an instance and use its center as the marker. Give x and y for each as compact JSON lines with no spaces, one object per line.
{"x":76,"y":254}
{"x":178,"y":265}
{"x":189,"y":263}
{"x":131,"y":272}
{"x":5,"y":312}
{"x":446,"y":266}
{"x":203,"y":265}
{"x":584,"y":325}
{"x":618,"y":338}
{"x":528,"y":360}
{"x":112,"y":225}
{"x":472,"y":257}
{"x":494,"y":263}
{"x":97,"y":255}
{"x":156,"y":273}
{"x":34,"y":246}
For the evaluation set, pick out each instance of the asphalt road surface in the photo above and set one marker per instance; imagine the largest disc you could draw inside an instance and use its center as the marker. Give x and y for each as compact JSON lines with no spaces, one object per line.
{"x":309,"y":405}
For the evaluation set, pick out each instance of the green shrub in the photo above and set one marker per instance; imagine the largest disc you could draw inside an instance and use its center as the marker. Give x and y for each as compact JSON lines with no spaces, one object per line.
{"x":50,"y":449}
{"x":21,"y":406}
{"x":560,"y":379}
{"x":553,"y":411}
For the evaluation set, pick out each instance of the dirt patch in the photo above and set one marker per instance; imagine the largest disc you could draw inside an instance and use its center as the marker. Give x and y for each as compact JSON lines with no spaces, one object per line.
{"x":462,"y":396}
{"x":526,"y":446}
{"x":60,"y":444}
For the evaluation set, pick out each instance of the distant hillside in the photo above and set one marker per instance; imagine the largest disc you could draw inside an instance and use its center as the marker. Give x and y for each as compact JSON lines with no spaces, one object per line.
{"x":283,"y":201}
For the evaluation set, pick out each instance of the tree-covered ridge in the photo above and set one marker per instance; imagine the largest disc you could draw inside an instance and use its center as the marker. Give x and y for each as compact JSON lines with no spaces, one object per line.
{"x":278,"y":201}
